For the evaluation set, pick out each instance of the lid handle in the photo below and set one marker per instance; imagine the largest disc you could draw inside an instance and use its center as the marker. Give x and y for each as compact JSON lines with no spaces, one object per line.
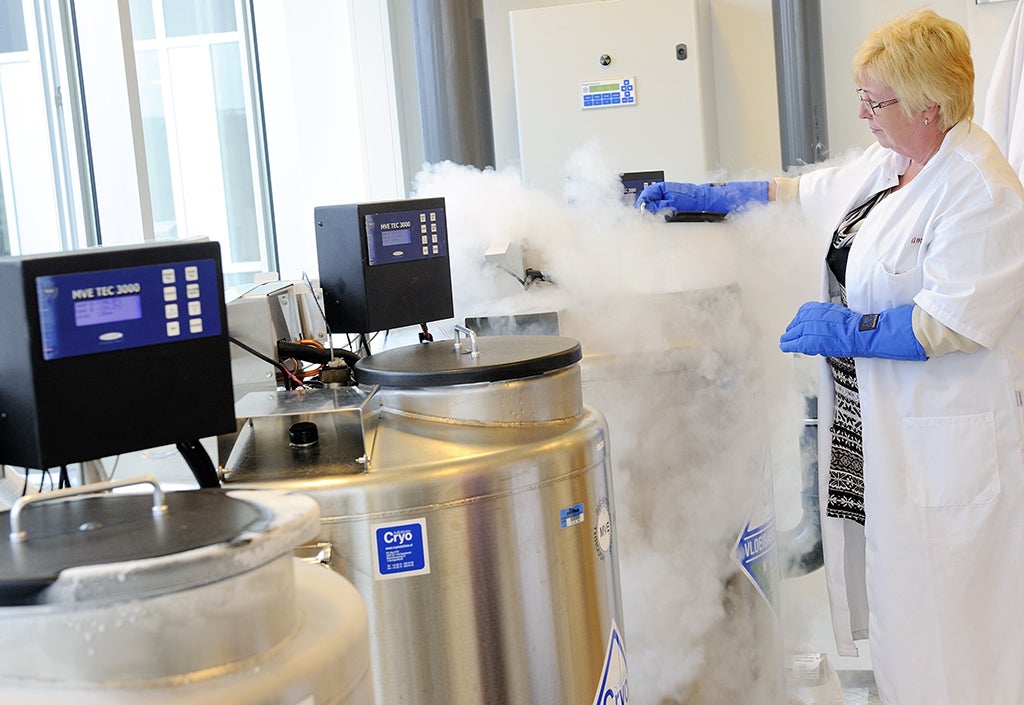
{"x":473,"y":352}
{"x":18,"y":535}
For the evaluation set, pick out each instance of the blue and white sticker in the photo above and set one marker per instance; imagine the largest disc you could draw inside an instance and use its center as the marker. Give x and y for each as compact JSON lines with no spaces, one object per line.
{"x":400,"y":549}
{"x":757,"y":551}
{"x":614,"y":686}
{"x":571,"y":516}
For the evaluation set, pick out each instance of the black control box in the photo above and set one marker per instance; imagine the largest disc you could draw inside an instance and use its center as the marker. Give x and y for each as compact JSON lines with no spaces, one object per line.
{"x":384,"y":265}
{"x":633,"y":182}
{"x":111,"y":350}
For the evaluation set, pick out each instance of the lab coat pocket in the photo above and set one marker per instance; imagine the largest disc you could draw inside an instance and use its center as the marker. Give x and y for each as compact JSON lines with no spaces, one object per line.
{"x":951,"y":460}
{"x":894,"y":287}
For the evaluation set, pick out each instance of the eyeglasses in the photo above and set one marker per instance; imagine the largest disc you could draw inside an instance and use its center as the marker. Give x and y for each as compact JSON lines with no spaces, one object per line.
{"x":873,"y":107}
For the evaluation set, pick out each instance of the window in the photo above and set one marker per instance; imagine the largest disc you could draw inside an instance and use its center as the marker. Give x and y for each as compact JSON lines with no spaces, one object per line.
{"x":196,"y":167}
{"x":14,"y":57}
{"x":37,"y":214}
{"x":168,"y":140}
{"x":202,"y":129}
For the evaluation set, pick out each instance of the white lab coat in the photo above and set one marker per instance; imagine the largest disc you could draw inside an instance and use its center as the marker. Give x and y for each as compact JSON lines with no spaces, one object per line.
{"x":940,"y":563}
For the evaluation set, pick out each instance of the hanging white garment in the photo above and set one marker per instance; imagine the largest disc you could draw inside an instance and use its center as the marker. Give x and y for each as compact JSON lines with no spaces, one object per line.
{"x":934,"y":576}
{"x":1004,"y":102}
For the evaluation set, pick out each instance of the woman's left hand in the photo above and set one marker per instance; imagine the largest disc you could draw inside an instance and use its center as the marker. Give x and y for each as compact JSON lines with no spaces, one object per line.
{"x":832,"y":330}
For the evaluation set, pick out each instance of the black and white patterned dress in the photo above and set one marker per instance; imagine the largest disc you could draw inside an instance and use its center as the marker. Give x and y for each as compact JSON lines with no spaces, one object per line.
{"x":846,"y":468}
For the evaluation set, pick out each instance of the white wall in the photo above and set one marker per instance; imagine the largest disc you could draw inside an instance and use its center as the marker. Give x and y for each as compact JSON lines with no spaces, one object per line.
{"x":314,"y":153}
{"x":746,"y":90}
{"x":331,"y":116}
{"x":744,"y":57}
{"x":844,"y":26}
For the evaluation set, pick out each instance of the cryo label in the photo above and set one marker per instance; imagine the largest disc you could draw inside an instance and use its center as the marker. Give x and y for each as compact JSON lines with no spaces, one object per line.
{"x":614,"y":686}
{"x":400,"y":549}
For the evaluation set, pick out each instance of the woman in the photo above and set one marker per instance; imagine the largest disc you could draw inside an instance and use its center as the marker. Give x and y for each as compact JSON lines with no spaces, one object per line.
{"x":922,"y":338}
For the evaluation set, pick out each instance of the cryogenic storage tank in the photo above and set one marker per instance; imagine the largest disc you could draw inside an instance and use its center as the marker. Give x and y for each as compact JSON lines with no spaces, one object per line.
{"x":465,"y":490}
{"x":191,"y":598}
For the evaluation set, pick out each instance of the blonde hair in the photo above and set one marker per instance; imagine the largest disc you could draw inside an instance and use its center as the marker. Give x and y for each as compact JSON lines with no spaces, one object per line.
{"x":926,"y":59}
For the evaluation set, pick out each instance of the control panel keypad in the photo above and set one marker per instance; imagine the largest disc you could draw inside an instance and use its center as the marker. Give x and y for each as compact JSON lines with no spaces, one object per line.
{"x":192,"y":294}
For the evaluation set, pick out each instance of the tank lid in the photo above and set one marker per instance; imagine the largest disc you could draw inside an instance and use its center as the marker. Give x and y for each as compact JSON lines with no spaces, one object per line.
{"x":80,"y":548}
{"x":498,"y":359}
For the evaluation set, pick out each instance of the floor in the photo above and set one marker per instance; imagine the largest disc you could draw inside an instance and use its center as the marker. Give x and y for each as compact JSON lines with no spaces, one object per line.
{"x":858,"y":688}
{"x":846,"y":687}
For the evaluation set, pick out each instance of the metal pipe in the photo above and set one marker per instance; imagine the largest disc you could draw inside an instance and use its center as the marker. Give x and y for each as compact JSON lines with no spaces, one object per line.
{"x":451,"y":67}
{"x":800,"y":547}
{"x":800,"y":74}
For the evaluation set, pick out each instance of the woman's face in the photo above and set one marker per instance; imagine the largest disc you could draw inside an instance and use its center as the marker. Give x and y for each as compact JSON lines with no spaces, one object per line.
{"x":888,"y":123}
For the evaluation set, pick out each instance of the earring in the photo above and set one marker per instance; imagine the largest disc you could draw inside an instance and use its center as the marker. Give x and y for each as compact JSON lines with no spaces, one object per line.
{"x":926,"y":121}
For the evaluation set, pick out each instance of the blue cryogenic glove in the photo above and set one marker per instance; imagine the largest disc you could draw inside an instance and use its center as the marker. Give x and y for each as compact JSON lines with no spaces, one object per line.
{"x":835,"y":331}
{"x":702,"y":198}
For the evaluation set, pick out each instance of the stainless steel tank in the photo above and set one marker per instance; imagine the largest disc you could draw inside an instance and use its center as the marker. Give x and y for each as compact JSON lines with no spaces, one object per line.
{"x":182,"y":597}
{"x":465,"y":491}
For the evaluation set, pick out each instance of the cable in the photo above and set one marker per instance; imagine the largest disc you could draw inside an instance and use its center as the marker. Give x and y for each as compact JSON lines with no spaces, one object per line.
{"x":280,"y":366}
{"x":348,"y":338}
{"x":522,"y":282}
{"x":446,"y":333}
{"x":313,"y":351}
{"x":323,"y":315}
{"x":110,"y":475}
{"x":199,"y":462}
{"x":305,"y":350}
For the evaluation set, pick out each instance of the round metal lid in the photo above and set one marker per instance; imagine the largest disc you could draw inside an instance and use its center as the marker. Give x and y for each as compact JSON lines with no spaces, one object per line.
{"x":445,"y":363}
{"x":45,"y":539}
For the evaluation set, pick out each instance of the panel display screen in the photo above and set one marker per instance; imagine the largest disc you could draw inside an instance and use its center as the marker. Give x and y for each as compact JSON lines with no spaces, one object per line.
{"x":604,"y":94}
{"x":393,"y":238}
{"x":122,"y":308}
{"x":405,"y":236}
{"x":82,"y":313}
